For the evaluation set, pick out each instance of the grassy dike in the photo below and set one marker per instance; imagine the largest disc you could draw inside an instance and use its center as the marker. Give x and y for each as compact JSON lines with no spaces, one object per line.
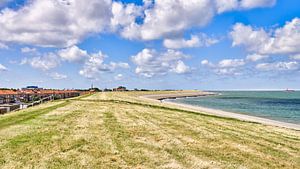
{"x":120,"y":130}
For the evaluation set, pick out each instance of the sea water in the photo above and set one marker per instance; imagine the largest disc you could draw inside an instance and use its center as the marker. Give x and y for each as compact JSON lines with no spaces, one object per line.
{"x":276,"y":105}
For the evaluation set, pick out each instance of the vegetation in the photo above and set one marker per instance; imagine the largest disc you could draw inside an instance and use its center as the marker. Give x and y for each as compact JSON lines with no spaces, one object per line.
{"x":121,"y":130}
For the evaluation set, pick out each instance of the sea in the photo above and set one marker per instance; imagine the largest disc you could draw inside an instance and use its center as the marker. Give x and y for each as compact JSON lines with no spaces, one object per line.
{"x":276,"y":105}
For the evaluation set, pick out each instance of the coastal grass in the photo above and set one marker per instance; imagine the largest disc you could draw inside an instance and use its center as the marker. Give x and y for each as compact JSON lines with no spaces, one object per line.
{"x":122,"y":130}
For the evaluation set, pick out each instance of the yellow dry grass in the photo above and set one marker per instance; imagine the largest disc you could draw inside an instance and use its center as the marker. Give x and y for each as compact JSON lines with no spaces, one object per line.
{"x":121,"y":130}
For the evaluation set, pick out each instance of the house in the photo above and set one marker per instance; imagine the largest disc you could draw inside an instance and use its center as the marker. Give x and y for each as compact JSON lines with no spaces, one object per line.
{"x":120,"y":89}
{"x":8,"y":96}
{"x":28,"y":95}
{"x":11,"y":100}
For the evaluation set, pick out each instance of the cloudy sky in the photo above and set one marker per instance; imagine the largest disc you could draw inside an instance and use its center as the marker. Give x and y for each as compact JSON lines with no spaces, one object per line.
{"x":154,"y":44}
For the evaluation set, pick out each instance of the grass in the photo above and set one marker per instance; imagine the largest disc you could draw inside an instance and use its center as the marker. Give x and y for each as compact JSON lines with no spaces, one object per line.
{"x":121,"y":130}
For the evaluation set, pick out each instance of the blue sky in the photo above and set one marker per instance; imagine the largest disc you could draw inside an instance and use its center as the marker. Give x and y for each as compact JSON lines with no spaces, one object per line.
{"x":161,"y":44}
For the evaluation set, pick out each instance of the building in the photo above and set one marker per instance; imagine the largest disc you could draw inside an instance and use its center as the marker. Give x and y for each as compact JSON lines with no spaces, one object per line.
{"x":11,"y":100}
{"x":32,"y":88}
{"x":8,"y":96}
{"x":120,"y":89}
{"x":28,"y":95}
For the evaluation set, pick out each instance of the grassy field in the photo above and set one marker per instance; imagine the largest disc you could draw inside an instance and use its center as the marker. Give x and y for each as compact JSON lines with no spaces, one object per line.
{"x":120,"y":130}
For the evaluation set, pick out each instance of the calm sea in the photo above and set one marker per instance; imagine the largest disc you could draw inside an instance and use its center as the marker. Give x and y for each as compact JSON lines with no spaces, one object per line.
{"x":276,"y":105}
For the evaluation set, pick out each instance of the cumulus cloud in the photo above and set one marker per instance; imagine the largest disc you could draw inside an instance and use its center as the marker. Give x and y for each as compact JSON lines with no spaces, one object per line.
{"x":226,"y":5}
{"x":284,"y":40}
{"x":57,"y":76}
{"x":122,"y":65}
{"x":92,"y":63}
{"x":229,"y":5}
{"x":195,"y":41}
{"x":124,"y":14}
{"x":65,"y":23}
{"x":95,"y":65}
{"x":54,"y":23}
{"x":119,"y":77}
{"x":28,"y":50}
{"x":46,"y":62}
{"x":295,"y":57}
{"x":151,"y":63}
{"x":3,"y":46}
{"x":248,"y":4}
{"x":2,"y":68}
{"x":180,"y":68}
{"x":256,"y":57}
{"x":73,"y":54}
{"x":278,"y":66}
{"x":226,"y":66}
{"x":231,"y":63}
{"x":167,"y":18}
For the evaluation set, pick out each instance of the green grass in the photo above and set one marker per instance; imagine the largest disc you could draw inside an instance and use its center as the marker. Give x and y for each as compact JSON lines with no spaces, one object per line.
{"x":120,"y":130}
{"x":25,"y":116}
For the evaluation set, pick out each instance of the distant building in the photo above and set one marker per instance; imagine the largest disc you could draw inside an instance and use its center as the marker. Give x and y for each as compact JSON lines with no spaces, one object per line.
{"x":8,"y":96}
{"x":107,"y":90}
{"x":31,"y":95}
{"x":120,"y":89}
{"x":32,"y":88}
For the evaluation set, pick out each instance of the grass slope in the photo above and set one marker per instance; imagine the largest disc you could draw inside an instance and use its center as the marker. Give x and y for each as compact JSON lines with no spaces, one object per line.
{"x":120,"y":130}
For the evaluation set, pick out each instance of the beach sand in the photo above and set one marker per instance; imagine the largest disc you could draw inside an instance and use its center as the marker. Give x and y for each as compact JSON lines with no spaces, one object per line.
{"x":161,"y":98}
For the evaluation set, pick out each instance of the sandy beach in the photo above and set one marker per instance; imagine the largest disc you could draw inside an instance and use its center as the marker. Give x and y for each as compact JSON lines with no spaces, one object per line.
{"x":161,"y":98}
{"x":178,"y":95}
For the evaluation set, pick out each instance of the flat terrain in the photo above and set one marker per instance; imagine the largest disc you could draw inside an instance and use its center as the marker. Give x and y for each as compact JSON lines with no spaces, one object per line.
{"x":121,"y":130}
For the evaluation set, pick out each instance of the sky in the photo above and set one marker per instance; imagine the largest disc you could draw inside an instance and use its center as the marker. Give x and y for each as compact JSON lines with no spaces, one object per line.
{"x":150,"y":44}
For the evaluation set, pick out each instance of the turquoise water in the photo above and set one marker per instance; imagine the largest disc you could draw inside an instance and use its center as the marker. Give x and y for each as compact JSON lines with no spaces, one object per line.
{"x":276,"y":105}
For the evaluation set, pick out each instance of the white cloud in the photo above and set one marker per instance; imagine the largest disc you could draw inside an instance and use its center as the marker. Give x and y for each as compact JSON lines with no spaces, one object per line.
{"x":2,"y":68}
{"x":226,"y":66}
{"x":119,"y":77}
{"x":278,"y":66}
{"x":204,"y":62}
{"x":228,"y":71}
{"x":54,"y":23}
{"x":151,"y":63}
{"x":226,"y":5}
{"x":57,"y":76}
{"x":249,"y":4}
{"x":73,"y":54}
{"x":171,"y":17}
{"x":122,"y":65}
{"x":65,"y":23}
{"x":181,"y":68}
{"x":229,"y":5}
{"x":46,"y":62}
{"x":195,"y":41}
{"x":256,"y":57}
{"x":28,"y":50}
{"x":231,"y":63}
{"x":295,"y":57}
{"x":124,"y":14}
{"x":3,"y":46}
{"x":285,"y":40}
{"x":245,"y":35}
{"x":95,"y":65}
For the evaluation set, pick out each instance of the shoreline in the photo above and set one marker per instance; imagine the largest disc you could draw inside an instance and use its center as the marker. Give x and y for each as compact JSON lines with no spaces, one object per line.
{"x":161,"y":98}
